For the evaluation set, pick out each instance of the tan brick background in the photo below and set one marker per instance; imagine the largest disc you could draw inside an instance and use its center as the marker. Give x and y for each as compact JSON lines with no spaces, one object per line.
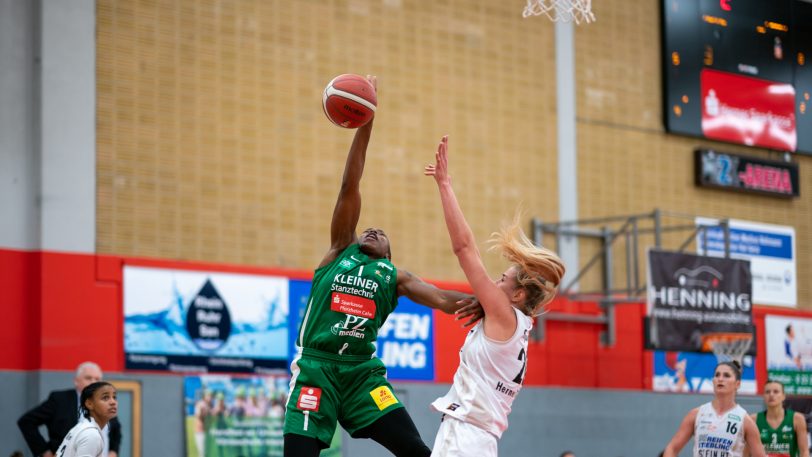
{"x":212,"y":144}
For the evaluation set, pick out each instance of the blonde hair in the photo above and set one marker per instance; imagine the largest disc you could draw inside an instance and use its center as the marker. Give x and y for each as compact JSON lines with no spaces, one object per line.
{"x":539,"y":270}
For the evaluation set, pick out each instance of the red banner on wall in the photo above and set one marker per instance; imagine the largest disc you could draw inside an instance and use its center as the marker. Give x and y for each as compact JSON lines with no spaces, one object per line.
{"x":749,"y":111}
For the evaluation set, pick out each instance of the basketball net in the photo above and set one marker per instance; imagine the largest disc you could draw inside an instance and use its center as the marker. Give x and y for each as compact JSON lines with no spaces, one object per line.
{"x":728,"y":346}
{"x":561,"y":10}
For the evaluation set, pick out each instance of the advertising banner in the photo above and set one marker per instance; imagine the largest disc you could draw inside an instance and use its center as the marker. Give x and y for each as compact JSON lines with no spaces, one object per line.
{"x":405,"y":341}
{"x":789,"y":352}
{"x":749,"y":111}
{"x":693,"y":372}
{"x":238,"y":416}
{"x":192,"y":321}
{"x":770,"y":250}
{"x":691,"y":295}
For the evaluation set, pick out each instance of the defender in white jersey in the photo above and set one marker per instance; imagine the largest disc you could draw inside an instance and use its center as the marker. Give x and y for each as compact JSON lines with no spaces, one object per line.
{"x":493,"y":359}
{"x":720,"y":428}
{"x":98,"y":405}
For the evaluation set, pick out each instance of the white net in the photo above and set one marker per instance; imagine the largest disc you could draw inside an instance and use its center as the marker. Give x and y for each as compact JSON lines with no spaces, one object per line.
{"x":730,"y":349}
{"x":561,"y":10}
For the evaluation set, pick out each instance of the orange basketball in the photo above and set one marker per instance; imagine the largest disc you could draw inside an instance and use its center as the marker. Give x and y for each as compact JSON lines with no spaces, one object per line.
{"x":349,"y":101}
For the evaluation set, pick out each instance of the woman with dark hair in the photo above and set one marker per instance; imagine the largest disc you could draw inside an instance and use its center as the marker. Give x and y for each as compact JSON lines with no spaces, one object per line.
{"x":98,"y":405}
{"x":783,"y":431}
{"x":721,"y":426}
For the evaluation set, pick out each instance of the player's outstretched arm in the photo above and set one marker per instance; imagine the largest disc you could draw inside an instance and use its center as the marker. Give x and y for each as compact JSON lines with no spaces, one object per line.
{"x":501,"y":319}
{"x":348,"y":205}
{"x":684,"y":433}
{"x":421,"y":292}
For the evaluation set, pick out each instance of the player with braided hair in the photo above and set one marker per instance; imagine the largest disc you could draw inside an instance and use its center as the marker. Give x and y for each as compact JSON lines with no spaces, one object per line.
{"x":98,"y":405}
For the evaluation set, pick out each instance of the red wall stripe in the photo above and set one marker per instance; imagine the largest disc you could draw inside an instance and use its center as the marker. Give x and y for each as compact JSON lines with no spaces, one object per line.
{"x":61,"y":309}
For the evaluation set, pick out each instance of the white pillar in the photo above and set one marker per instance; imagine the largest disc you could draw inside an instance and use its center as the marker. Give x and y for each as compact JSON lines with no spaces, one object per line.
{"x":567,"y":147}
{"x":67,"y":129}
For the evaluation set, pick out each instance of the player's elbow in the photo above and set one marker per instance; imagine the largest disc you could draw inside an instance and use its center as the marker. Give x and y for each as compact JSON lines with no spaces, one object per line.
{"x":463,"y":247}
{"x":26,"y":423}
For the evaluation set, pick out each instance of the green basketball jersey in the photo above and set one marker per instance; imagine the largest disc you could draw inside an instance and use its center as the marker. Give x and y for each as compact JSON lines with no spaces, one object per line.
{"x":350,"y":299}
{"x":780,"y":441}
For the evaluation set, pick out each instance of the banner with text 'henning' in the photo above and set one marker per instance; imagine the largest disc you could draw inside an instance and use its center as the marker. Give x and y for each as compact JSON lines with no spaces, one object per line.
{"x":691,"y":295}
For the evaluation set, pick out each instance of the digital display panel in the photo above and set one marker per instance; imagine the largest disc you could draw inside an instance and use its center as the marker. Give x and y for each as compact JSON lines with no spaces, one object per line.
{"x":737,"y":71}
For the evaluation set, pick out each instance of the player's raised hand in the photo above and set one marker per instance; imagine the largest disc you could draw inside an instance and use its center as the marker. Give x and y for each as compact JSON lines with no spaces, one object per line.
{"x":439,"y":169}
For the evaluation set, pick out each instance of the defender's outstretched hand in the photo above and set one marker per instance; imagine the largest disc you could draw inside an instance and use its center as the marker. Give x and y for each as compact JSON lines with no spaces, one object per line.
{"x":440,"y":168}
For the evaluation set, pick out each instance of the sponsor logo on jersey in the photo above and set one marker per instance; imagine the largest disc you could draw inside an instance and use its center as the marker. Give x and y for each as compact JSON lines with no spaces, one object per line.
{"x":786,"y":428}
{"x":346,"y":263}
{"x":505,"y":390}
{"x":383,"y":397}
{"x":734,"y":417}
{"x":383,"y":265}
{"x":309,"y":399}
{"x":352,"y":304}
{"x":353,"y":258}
{"x":352,"y":326}
{"x":452,"y":406}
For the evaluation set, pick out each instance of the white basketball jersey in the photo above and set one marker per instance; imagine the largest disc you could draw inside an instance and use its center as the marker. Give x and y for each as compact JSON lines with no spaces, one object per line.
{"x":719,"y":435}
{"x":85,"y":439}
{"x":488,"y":379}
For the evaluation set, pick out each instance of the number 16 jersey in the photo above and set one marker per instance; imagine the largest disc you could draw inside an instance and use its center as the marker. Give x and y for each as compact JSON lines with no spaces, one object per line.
{"x":719,"y":435}
{"x":489,"y":378}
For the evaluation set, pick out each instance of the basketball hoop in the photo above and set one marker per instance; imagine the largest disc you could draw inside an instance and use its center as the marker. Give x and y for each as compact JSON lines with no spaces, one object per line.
{"x":727,"y":346}
{"x":561,"y":10}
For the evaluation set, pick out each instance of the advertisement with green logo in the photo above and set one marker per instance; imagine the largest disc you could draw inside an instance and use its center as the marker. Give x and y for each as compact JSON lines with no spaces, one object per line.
{"x":238,"y":416}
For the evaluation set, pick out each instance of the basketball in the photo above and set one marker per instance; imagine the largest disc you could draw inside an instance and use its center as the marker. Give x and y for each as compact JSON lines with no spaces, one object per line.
{"x":349,"y":101}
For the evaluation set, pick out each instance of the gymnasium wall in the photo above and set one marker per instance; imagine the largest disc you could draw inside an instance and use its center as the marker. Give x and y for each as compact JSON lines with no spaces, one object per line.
{"x":211,"y":149}
{"x":592,"y":423}
{"x":212,"y":145}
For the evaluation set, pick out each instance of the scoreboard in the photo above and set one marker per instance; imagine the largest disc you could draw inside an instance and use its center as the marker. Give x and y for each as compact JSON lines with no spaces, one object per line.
{"x":738,"y":71}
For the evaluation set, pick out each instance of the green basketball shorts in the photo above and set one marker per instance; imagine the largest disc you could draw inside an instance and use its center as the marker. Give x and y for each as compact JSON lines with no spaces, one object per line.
{"x":323,"y":391}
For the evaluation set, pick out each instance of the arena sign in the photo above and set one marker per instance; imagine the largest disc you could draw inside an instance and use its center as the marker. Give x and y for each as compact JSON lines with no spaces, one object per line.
{"x":691,"y":295}
{"x":746,"y":174}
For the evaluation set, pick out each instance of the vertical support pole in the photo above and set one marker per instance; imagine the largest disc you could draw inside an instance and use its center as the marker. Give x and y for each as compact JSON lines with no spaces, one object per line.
{"x":607,"y":259}
{"x":629,"y":260}
{"x":635,"y":255}
{"x":658,"y":231}
{"x":567,"y":166}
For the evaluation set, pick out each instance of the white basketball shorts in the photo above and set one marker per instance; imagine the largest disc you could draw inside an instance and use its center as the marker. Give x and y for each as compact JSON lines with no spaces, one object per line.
{"x":456,"y":438}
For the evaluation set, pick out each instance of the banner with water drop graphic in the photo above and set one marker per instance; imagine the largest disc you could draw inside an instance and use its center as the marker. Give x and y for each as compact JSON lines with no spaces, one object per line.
{"x":196,"y":321}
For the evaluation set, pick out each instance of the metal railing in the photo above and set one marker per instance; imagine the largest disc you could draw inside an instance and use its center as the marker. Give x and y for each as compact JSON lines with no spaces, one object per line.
{"x":620,"y":276}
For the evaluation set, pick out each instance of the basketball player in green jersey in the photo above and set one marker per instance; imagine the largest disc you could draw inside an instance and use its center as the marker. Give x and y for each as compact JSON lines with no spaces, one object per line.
{"x":335,"y":375}
{"x":783,"y":431}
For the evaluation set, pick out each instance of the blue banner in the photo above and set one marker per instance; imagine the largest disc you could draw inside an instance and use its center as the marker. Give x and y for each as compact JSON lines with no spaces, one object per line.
{"x":749,"y":242}
{"x":406,"y":342}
